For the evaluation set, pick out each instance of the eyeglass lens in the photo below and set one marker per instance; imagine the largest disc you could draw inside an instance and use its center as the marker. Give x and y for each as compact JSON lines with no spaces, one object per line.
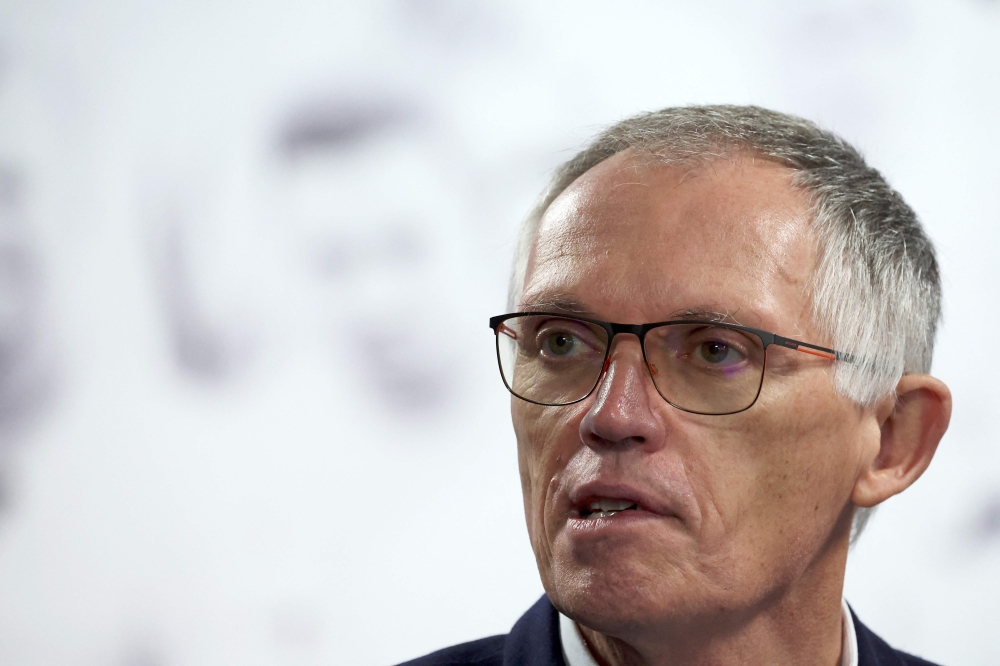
{"x":703,"y":367}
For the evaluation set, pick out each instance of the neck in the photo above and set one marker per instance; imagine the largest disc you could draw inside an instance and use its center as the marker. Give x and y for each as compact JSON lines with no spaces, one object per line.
{"x":799,"y":625}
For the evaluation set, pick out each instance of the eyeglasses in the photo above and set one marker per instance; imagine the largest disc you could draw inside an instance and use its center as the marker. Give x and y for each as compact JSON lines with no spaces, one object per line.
{"x":698,"y":366}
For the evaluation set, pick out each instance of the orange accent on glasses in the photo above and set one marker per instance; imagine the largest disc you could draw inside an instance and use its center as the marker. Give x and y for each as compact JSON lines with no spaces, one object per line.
{"x":652,"y":368}
{"x":816,"y":352}
{"x":507,"y":330}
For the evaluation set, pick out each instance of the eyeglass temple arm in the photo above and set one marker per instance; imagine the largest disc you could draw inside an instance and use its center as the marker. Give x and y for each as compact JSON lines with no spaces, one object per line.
{"x":505,"y":329}
{"x":815,"y":350}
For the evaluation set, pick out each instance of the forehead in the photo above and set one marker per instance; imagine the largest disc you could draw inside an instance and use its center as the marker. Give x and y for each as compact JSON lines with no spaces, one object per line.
{"x":631,"y":239}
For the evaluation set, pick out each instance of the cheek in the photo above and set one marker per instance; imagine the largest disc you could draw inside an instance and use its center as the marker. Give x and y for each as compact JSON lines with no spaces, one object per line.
{"x":773,"y":480}
{"x":789,"y":473}
{"x":546,"y":437}
{"x":809,"y":458}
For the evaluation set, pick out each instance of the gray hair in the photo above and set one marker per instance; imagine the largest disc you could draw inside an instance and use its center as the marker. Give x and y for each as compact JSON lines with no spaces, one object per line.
{"x":876,"y":290}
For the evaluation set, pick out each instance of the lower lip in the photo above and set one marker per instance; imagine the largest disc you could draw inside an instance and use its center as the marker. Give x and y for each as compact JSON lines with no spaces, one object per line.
{"x":620,"y":520}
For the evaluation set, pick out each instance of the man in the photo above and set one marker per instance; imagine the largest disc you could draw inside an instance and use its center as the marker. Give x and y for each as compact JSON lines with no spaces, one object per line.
{"x":720,"y":327}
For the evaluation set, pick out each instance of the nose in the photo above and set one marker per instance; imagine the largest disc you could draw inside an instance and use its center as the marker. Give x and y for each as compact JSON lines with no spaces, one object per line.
{"x":625,"y":410}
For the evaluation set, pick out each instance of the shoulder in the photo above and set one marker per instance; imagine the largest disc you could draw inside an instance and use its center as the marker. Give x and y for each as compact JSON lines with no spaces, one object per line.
{"x":910,"y":660}
{"x":483,"y":652}
{"x":873,"y":651}
{"x":532,"y":641}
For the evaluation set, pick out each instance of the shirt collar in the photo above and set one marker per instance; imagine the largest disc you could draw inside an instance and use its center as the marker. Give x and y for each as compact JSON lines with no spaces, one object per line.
{"x":575,"y":650}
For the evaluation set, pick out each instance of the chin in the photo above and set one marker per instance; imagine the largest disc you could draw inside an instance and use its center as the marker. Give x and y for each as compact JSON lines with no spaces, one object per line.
{"x":616,"y":600}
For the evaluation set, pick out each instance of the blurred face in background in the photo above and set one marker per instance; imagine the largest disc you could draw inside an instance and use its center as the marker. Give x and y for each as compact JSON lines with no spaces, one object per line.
{"x":377,"y":231}
{"x":731,"y":512}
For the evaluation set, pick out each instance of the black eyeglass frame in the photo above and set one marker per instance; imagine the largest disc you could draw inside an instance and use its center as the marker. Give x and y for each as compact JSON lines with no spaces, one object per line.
{"x":640,"y":330}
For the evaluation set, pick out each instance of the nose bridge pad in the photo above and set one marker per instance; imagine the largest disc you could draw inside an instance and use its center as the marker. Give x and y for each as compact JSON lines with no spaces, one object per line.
{"x":623,"y":411}
{"x":602,"y":379}
{"x":607,"y":363}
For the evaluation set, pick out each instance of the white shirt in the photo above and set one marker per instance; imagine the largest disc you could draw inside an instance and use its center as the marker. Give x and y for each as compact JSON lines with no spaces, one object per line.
{"x":575,"y":650}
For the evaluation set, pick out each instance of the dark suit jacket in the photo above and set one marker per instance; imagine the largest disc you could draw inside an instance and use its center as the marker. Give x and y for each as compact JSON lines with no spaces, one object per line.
{"x":534,"y":641}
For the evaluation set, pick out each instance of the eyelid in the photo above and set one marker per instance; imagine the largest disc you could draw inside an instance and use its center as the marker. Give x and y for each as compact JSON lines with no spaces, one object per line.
{"x":564,"y":321}
{"x":740,"y":336}
{"x":575,"y":327}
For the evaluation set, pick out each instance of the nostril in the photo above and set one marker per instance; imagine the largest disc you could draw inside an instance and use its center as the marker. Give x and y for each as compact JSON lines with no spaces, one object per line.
{"x":599,"y":441}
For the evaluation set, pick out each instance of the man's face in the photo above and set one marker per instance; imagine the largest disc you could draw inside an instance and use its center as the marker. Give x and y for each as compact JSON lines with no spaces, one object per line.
{"x":734,"y":511}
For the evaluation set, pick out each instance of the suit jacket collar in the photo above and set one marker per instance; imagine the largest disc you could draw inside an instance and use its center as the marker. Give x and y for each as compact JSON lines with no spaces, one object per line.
{"x":873,"y":651}
{"x":534,"y":641}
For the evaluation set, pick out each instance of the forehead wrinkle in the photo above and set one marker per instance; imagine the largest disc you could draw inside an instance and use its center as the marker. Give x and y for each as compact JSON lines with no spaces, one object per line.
{"x":617,"y":185}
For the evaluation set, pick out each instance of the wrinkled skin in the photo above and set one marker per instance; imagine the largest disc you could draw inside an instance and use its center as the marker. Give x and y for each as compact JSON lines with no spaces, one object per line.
{"x":740,"y":557}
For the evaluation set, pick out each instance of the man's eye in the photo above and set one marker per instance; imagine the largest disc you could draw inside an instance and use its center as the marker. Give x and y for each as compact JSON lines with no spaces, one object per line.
{"x":560,"y":344}
{"x":717,"y":353}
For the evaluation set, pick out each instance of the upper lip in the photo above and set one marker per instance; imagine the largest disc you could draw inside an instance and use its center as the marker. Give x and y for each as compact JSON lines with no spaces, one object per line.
{"x":580,"y":496}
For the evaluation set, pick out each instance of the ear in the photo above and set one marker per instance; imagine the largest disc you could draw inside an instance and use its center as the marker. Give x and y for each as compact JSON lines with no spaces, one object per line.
{"x":911,"y":427}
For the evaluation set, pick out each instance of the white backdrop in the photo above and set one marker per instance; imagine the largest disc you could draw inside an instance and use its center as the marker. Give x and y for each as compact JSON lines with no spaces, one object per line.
{"x":249,"y":411}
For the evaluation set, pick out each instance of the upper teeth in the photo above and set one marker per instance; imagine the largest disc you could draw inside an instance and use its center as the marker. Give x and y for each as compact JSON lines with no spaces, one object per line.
{"x":610,"y":505}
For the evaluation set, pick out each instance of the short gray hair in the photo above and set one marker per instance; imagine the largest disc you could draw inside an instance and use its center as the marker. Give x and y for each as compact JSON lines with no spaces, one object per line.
{"x":876,"y":290}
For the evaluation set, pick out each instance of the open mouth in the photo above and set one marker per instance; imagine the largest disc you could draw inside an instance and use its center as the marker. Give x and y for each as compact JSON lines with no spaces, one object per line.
{"x":605,"y":508}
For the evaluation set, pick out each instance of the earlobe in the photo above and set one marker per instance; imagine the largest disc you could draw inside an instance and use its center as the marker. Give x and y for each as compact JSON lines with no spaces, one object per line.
{"x":910,"y":433}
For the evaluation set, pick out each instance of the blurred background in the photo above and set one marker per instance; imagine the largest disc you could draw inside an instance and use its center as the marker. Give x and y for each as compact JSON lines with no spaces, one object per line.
{"x":249,"y":408}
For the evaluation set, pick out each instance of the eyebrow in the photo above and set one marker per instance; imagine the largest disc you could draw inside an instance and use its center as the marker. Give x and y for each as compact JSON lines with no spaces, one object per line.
{"x":565,"y":304}
{"x":558,"y":303}
{"x":708,"y":314}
